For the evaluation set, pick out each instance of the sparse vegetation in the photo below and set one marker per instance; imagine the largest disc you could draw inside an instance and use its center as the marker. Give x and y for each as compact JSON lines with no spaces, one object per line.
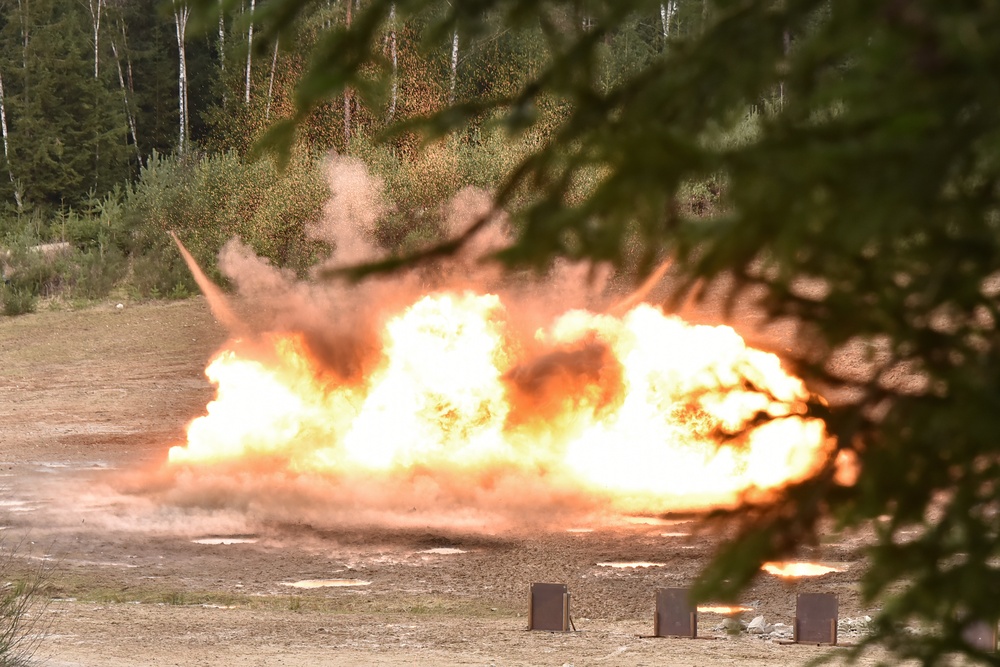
{"x":23,"y":601}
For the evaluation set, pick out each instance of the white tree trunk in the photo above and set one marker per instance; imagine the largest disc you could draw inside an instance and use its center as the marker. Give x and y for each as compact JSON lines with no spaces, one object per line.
{"x":181,"y":14}
{"x":128,"y":60}
{"x":128,"y":107}
{"x":347,"y":94}
{"x":270,"y":82}
{"x":222,"y":53}
{"x":667,"y":12}
{"x":454,"y":66}
{"x":96,"y":6}
{"x":246,"y":95}
{"x":6,"y":146}
{"x":395,"y":61}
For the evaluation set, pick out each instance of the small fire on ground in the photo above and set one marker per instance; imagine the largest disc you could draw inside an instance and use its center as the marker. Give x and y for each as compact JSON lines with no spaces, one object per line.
{"x":723,"y":610}
{"x":794,"y":570}
{"x":638,"y":412}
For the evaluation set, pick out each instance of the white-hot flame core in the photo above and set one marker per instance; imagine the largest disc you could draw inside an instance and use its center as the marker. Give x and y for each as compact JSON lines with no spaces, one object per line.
{"x":657,"y":418}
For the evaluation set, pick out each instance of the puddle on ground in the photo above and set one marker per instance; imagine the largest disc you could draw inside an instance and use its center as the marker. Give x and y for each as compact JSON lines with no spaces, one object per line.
{"x":623,"y":564}
{"x":675,"y":534}
{"x":579,"y":530}
{"x":225,"y":540}
{"x":326,"y":583}
{"x":443,"y":551}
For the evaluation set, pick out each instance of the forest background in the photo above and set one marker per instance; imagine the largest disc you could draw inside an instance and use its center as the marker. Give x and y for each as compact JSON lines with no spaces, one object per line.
{"x":121,"y":121}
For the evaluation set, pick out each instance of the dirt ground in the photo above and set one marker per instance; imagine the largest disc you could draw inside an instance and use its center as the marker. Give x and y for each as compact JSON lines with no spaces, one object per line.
{"x":91,"y":400}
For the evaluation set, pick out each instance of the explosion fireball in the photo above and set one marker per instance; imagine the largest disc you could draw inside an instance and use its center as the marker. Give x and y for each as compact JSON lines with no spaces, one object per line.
{"x":630,"y":408}
{"x":636,"y":411}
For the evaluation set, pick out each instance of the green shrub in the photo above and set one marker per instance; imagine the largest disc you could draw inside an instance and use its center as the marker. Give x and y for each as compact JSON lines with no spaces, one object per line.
{"x":17,"y":301}
{"x":160,"y":273}
{"x":94,"y":273}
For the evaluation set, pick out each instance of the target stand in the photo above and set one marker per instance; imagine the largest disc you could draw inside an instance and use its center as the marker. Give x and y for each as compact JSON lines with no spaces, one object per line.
{"x":675,"y":615}
{"x":816,"y":616}
{"x":548,"y":609}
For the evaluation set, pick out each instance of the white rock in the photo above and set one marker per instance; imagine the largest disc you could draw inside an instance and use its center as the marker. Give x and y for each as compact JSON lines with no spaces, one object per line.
{"x":758,"y":626}
{"x":120,"y":306}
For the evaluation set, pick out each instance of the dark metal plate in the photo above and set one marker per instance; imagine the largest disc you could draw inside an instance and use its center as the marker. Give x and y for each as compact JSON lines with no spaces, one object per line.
{"x":549,"y":608}
{"x":675,"y":615}
{"x":816,"y":618}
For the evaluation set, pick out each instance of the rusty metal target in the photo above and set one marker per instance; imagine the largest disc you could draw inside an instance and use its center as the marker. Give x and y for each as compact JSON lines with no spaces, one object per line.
{"x":549,"y":608}
{"x":675,"y":615}
{"x":816,"y":616}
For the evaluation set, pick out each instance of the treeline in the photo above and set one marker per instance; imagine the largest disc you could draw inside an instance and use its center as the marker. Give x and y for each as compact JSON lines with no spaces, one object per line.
{"x":121,"y":119}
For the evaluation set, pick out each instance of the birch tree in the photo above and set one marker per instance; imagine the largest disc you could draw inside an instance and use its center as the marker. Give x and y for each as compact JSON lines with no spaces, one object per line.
{"x":667,"y":12}
{"x":454,"y":66}
{"x":246,"y":88}
{"x":96,"y":8}
{"x":270,"y":82}
{"x":394,"y":57}
{"x":181,"y":14}
{"x":129,"y":116}
{"x":347,"y":91}
{"x":222,"y":52}
{"x":6,"y":146}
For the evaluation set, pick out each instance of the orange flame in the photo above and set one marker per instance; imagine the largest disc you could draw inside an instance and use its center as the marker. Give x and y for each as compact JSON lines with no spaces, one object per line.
{"x":796,"y":570}
{"x":644,"y":410}
{"x":722,"y":610}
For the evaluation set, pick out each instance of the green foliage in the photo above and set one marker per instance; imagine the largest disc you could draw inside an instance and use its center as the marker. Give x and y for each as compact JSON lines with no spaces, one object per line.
{"x":212,"y":199}
{"x":17,"y":301}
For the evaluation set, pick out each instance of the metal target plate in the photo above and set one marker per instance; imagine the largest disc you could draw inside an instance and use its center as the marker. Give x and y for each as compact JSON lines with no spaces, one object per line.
{"x":816,"y":616}
{"x":675,"y":615}
{"x":981,"y":635}
{"x":549,"y":608}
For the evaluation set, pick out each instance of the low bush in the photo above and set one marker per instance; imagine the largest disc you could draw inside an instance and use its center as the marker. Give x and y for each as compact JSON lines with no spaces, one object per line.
{"x":22,"y":607}
{"x":17,"y":302}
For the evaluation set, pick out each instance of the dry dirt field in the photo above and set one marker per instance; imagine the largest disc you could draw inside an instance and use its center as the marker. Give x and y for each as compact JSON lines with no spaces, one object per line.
{"x":91,"y":400}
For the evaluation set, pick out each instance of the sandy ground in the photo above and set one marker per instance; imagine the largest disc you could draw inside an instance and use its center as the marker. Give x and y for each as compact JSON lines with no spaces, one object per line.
{"x":91,"y":400}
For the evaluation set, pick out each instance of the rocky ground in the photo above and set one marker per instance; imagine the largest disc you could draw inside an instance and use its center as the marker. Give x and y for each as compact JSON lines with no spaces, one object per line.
{"x":91,"y":400}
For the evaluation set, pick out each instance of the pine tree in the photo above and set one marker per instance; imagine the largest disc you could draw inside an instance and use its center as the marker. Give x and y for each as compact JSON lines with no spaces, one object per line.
{"x":67,"y":128}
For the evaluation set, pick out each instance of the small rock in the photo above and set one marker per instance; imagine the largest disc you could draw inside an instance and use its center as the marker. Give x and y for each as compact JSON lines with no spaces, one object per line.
{"x":758,"y":626}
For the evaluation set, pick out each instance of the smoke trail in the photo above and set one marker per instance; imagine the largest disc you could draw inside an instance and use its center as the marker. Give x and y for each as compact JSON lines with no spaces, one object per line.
{"x":217,"y":301}
{"x":639,"y":295}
